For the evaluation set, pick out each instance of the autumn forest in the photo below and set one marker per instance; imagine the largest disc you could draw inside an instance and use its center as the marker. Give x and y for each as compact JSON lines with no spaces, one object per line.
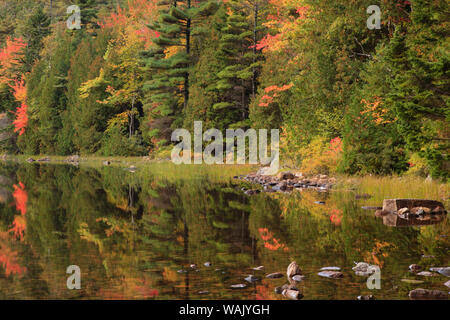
{"x":347,"y":98}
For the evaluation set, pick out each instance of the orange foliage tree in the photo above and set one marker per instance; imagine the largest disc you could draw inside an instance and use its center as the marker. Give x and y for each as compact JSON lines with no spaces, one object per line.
{"x":20,"y":93}
{"x":10,"y":57}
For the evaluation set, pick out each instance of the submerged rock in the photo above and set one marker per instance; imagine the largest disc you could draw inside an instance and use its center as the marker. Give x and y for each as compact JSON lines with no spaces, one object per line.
{"x":426,"y":274}
{"x":238,"y":286}
{"x":298,"y":278}
{"x":370,"y":297}
{"x":364,"y":269}
{"x":331,"y":274}
{"x":412,"y":281}
{"x":425,"y":294}
{"x":293,"y":269}
{"x":251,"y":278}
{"x":330,"y":269}
{"x":292,"y":294}
{"x":445,"y":271}
{"x":279,"y":290}
{"x":415,"y":268}
{"x":203,"y":292}
{"x":274,"y":275}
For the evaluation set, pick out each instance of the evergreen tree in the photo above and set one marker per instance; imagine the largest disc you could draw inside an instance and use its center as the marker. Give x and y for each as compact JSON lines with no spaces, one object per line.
{"x":236,"y":79}
{"x":36,"y":27}
{"x":170,"y":72}
{"x":418,"y":57}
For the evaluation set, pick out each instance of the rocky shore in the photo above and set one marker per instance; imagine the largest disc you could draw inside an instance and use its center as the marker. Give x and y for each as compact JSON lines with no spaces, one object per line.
{"x":286,"y":182}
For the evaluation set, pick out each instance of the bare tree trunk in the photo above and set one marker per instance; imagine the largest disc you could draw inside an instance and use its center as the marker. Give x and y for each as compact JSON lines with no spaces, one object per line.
{"x":255,"y":25}
{"x":131,"y":115}
{"x":188,"y":49}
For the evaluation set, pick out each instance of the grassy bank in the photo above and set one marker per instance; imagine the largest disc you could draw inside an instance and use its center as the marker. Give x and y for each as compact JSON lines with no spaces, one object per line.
{"x":379,"y":187}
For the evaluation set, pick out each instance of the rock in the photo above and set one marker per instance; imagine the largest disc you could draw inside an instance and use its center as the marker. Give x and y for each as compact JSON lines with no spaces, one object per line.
{"x":193,"y":266}
{"x":238,"y":286}
{"x":265,"y":171}
{"x":181,"y":271}
{"x":330,"y":269}
{"x":260,"y":268}
{"x":445,"y":271}
{"x":298,"y":277}
{"x":207,"y":264}
{"x":426,"y":274}
{"x":370,"y":297}
{"x":292,"y":294}
{"x":381,"y":213}
{"x":275,"y":275}
{"x":425,"y":294}
{"x":285,"y":175}
{"x":447,"y":283}
{"x":73,"y":158}
{"x":293,"y":269}
{"x":438,"y":210}
{"x":331,"y":274}
{"x":203,"y":292}
{"x":251,"y":278}
{"x":415,"y":268}
{"x":412,"y":281}
{"x":393,"y":205}
{"x":361,"y":267}
{"x":420,"y":210}
{"x":364,"y":269}
{"x":280,"y":290}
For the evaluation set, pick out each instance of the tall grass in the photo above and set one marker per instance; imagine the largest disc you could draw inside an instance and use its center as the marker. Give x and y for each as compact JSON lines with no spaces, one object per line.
{"x":391,"y":187}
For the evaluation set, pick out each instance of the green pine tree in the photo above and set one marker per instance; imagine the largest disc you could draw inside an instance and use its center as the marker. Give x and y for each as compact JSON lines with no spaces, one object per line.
{"x":236,"y":79}
{"x":419,"y":60}
{"x":168,"y":84}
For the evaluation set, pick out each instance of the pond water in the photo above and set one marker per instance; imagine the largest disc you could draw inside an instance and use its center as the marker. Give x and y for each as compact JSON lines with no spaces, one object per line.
{"x":133,"y":234}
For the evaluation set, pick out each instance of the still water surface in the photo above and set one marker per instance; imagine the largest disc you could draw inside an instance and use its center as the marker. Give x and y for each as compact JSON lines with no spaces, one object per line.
{"x":134,"y":233}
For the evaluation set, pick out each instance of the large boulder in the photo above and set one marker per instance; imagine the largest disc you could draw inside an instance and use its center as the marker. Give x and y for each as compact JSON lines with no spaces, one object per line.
{"x":394,"y":205}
